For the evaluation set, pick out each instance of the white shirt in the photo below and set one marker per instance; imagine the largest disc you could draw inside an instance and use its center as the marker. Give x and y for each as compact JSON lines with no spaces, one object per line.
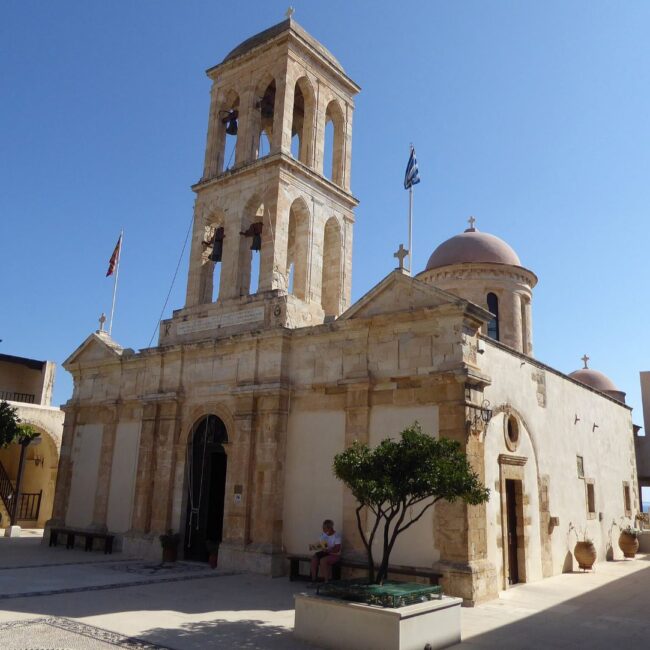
{"x":331,"y":540}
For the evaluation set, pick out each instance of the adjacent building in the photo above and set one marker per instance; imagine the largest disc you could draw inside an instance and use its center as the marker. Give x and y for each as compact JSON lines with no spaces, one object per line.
{"x":27,"y":385}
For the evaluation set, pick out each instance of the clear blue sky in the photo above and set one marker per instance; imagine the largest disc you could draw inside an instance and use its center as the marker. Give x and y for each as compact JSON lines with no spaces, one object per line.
{"x":531,"y":116}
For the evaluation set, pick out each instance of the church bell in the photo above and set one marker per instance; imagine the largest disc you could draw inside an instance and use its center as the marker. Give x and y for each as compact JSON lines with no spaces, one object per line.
{"x":254,"y":231}
{"x":217,"y":245}
{"x":230,"y":121}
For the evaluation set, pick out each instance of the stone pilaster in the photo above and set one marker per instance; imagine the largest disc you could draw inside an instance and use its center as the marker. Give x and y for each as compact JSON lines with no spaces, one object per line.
{"x":461,"y":529}
{"x":166,"y":433}
{"x":64,"y":476}
{"x":144,"y":480}
{"x":111,"y":419}
{"x":357,"y":423}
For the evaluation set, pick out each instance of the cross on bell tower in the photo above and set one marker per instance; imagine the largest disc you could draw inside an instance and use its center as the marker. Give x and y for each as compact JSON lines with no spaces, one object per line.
{"x":281,"y":106}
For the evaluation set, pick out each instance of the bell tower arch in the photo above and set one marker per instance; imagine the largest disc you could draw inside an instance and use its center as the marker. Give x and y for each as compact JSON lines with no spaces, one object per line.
{"x":272,"y":229}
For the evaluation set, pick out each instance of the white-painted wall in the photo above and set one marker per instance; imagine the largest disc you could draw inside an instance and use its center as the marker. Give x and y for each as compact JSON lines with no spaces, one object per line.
{"x":312,"y":493}
{"x":123,"y":473}
{"x":551,"y":434}
{"x":85,"y":460}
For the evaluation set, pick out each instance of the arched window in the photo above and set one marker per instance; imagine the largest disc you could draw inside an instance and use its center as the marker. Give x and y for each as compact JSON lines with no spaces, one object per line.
{"x":333,"y":145}
{"x":302,"y":123}
{"x":264,"y":119}
{"x":493,"y":308}
{"x":250,"y":246}
{"x":227,"y":130}
{"x":331,"y":279}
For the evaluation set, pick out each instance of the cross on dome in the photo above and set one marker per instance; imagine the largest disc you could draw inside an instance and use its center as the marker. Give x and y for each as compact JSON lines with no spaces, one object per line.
{"x":584,"y":360}
{"x":471,"y":221}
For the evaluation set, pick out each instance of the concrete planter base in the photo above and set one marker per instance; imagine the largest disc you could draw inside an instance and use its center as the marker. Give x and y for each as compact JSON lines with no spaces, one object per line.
{"x":342,"y":625}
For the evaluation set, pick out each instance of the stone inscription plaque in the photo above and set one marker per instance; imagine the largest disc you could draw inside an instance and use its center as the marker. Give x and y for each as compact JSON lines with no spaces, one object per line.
{"x":222,"y":320}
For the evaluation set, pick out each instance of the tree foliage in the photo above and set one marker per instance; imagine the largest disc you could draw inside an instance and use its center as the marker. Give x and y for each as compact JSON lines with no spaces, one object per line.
{"x":12,"y":429}
{"x":9,"y":424}
{"x":399,"y":480}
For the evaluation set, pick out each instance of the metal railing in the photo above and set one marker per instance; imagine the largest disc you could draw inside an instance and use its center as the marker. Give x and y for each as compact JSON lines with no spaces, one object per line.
{"x":7,"y":491}
{"x":11,"y":396}
{"x":29,"y":506}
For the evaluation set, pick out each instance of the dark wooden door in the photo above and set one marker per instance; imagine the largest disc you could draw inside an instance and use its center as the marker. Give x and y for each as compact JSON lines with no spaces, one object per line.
{"x":511,"y":516}
{"x":207,"y":464}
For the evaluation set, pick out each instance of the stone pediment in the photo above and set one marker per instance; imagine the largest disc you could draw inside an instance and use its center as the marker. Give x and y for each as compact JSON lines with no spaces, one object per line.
{"x":98,"y":347}
{"x":399,"y":292}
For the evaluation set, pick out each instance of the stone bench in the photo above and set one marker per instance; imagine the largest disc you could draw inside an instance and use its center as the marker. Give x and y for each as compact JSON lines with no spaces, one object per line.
{"x":90,"y":537}
{"x":295,"y":560}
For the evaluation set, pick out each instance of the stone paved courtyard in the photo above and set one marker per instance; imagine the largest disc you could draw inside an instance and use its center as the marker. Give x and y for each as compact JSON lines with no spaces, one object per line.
{"x":71,"y":599}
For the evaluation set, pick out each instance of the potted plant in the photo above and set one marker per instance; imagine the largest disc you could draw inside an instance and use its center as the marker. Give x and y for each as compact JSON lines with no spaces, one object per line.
{"x":169,"y":542}
{"x":628,"y":541}
{"x":213,"y":552}
{"x":584,"y":550}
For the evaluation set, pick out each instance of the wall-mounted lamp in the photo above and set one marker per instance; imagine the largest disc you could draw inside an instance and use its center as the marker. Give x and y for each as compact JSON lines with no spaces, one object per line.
{"x":480,"y":418}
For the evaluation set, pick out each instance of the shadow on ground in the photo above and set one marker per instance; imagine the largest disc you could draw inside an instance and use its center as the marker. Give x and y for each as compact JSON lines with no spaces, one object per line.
{"x":609,"y":616}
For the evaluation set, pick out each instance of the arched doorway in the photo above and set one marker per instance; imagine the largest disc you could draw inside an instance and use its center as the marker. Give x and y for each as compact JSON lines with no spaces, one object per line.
{"x":206,"y":484}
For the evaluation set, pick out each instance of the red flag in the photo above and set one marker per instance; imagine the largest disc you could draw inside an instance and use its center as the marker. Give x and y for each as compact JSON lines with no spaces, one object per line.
{"x":115,"y":257}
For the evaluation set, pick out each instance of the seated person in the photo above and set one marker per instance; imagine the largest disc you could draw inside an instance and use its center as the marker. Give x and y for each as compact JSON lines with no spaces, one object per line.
{"x":322,"y":561}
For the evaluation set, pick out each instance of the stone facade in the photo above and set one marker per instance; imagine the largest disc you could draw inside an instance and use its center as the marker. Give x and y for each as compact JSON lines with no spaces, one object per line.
{"x":274,"y":382}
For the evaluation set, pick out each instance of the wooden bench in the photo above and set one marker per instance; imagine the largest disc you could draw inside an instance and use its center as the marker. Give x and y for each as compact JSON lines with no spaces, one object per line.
{"x":295,"y":560}
{"x":89,"y":536}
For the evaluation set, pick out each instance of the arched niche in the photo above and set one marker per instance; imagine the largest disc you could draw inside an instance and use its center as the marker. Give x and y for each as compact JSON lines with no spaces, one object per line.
{"x":212,"y":242}
{"x":331,"y":283}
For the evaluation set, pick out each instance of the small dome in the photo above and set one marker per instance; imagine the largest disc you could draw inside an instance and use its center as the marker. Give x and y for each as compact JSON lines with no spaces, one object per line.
{"x":598,"y":381}
{"x":595,"y":379}
{"x":473,"y":246}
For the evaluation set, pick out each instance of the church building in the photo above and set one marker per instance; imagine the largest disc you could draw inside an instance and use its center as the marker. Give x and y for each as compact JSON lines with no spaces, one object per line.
{"x":226,"y":430}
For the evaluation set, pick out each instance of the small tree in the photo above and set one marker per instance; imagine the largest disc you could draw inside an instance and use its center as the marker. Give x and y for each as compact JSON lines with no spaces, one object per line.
{"x":398,"y":481}
{"x":11,"y":428}
{"x":9,"y":424}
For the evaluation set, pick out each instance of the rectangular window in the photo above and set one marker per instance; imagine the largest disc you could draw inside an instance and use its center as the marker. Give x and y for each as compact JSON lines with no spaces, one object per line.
{"x":591,"y":499}
{"x":581,"y":467}
{"x":627,"y":499}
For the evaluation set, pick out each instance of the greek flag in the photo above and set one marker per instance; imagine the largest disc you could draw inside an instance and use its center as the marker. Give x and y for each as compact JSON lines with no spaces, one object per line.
{"x":412,"y":177}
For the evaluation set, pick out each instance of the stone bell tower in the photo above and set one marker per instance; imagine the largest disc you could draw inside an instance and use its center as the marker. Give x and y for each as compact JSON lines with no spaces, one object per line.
{"x":273,"y":217}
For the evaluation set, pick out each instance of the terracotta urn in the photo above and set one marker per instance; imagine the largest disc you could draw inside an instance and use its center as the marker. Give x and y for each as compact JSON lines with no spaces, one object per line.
{"x":628,"y":543}
{"x":585,"y":553}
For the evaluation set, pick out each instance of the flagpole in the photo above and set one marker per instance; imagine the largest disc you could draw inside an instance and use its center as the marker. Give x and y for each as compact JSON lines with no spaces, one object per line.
{"x":411,"y":230}
{"x":117,"y":273}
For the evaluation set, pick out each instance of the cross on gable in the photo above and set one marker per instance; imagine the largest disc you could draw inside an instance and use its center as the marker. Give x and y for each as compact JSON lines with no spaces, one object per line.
{"x":102,"y":320}
{"x":290,"y":11}
{"x":584,"y":360}
{"x":400,"y":254}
